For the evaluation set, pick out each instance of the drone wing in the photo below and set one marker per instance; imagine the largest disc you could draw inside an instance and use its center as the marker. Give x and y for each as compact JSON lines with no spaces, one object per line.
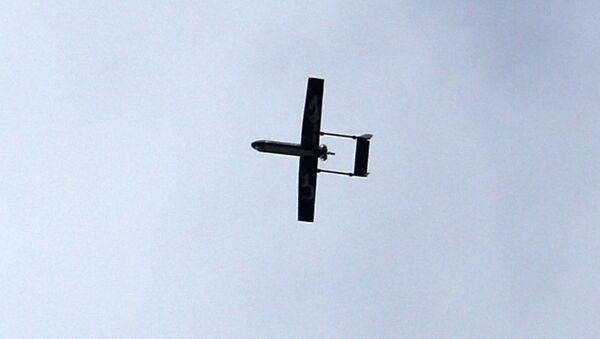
{"x":307,"y":188}
{"x":311,"y":128}
{"x":311,"y":121}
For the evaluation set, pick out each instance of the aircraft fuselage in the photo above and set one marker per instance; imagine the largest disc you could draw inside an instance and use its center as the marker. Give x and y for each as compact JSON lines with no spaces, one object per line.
{"x":286,"y":148}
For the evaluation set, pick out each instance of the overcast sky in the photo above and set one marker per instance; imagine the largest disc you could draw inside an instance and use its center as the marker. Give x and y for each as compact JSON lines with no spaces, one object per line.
{"x":131,"y":203}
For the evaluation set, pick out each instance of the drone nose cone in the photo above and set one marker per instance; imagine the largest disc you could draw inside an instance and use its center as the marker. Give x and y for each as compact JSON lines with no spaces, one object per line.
{"x":257,"y":145}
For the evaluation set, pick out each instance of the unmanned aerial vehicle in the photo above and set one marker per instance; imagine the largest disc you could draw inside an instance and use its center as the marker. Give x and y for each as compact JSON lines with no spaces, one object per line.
{"x":310,"y":151}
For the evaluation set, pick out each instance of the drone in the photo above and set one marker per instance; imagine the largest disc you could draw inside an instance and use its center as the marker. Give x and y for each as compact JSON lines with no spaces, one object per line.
{"x":310,"y":150}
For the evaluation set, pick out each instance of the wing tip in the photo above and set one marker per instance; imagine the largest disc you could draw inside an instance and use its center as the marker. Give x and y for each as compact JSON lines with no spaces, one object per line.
{"x":316,"y":81}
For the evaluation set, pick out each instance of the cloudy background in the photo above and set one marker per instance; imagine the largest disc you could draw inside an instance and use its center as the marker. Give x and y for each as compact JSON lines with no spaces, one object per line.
{"x":131,"y":203}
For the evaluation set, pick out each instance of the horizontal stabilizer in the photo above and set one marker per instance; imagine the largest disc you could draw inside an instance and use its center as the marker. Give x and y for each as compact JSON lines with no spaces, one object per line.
{"x":361,"y":158}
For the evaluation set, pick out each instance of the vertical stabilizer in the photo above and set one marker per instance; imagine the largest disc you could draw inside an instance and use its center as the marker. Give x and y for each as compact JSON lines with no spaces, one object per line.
{"x":361,"y":157}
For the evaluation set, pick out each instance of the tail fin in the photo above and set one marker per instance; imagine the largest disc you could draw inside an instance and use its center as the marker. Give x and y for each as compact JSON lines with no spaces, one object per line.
{"x":361,"y":158}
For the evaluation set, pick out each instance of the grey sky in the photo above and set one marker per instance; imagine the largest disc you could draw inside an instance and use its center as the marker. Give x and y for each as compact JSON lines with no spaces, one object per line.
{"x":133,"y":206}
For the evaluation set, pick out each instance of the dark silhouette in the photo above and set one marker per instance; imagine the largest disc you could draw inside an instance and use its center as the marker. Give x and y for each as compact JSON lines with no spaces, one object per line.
{"x":309,"y":150}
